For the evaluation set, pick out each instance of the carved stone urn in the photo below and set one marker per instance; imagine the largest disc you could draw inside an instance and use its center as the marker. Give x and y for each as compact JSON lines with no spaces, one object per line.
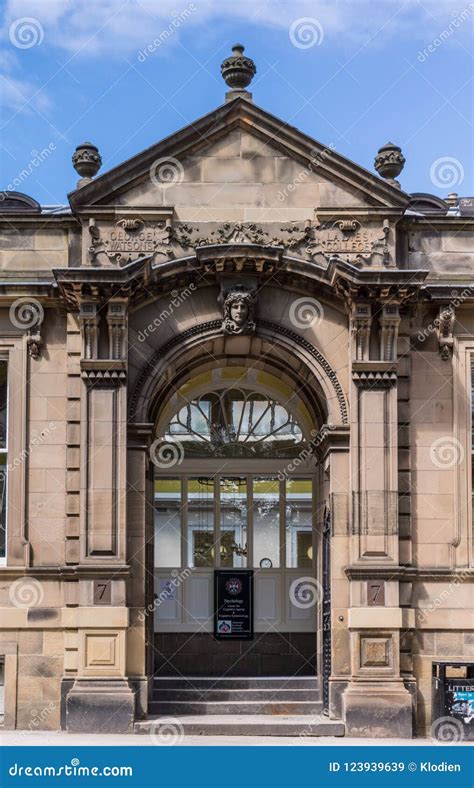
{"x":87,"y":161}
{"x":238,"y":70}
{"x":389,"y":162}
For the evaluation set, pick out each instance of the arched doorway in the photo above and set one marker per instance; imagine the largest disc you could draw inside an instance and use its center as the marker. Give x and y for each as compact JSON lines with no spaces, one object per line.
{"x":236,"y":485}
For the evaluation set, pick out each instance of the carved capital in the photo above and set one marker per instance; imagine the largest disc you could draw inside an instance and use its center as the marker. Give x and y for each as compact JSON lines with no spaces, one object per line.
{"x":374,"y":374}
{"x":117,"y":325}
{"x":103,"y":372}
{"x":389,"y":323}
{"x":89,"y":322}
{"x":361,"y":321}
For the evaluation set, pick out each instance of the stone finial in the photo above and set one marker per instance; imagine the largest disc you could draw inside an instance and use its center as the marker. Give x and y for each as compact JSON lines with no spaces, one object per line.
{"x":452,"y":199}
{"x":87,"y":161}
{"x":238,"y":72}
{"x":389,"y":163}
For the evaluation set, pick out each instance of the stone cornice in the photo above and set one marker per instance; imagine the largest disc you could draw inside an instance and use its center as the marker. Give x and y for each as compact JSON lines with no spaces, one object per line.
{"x":77,"y":572}
{"x":445,"y":292}
{"x":409,"y":573}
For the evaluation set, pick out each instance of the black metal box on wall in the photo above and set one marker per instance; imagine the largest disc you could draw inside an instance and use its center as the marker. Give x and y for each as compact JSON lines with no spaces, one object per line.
{"x":453,"y":701}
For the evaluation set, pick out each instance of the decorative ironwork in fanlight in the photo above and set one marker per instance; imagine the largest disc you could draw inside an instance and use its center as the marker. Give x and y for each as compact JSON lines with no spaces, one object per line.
{"x":235,"y":423}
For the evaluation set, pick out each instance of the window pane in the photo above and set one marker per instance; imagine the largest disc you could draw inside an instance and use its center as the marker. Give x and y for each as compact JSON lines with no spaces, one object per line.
{"x":167,"y":522}
{"x":3,"y":404}
{"x":299,"y":521}
{"x":233,"y":522}
{"x":200,"y":541}
{"x":266,"y":522}
{"x":235,"y":423}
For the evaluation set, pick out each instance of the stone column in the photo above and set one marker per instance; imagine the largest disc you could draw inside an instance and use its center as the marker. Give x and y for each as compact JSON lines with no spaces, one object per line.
{"x":375,"y":702}
{"x":101,"y":699}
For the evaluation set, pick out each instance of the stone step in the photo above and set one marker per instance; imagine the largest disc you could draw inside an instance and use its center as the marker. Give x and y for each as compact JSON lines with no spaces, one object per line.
{"x":241,"y":725}
{"x":241,"y":706}
{"x":211,"y":682}
{"x":218,"y":694}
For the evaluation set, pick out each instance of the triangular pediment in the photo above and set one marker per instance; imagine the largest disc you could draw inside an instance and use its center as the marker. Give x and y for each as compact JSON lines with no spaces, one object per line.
{"x":240,"y":158}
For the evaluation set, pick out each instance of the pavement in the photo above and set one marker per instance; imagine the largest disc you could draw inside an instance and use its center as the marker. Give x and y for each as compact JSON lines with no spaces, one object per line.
{"x":63,"y":739}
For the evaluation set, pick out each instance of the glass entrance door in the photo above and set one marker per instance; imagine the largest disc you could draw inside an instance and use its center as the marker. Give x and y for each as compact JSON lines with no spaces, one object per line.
{"x":233,"y":520}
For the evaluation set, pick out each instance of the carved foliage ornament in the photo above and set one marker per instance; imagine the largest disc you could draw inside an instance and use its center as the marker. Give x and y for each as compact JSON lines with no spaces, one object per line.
{"x":132,"y":237}
{"x":445,"y":331}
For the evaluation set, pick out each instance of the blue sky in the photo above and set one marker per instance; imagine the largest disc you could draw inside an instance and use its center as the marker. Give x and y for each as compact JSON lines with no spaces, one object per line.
{"x":352,"y":74}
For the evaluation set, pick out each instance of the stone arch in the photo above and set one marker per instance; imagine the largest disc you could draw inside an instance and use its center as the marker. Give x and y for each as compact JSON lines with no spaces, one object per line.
{"x":272,"y":346}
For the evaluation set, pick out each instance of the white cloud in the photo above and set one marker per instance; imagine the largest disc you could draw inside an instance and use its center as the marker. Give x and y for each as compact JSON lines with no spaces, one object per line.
{"x":18,"y":93}
{"x":117,"y":27}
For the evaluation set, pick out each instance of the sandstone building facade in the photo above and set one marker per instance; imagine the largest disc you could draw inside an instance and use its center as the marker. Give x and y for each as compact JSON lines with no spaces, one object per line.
{"x":236,"y":350}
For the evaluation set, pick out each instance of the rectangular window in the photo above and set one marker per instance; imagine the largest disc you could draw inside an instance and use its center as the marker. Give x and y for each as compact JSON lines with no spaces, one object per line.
{"x":200,"y":541}
{"x":299,"y":523}
{"x":3,"y":458}
{"x":167,"y":523}
{"x":266,"y":522}
{"x":233,"y":531}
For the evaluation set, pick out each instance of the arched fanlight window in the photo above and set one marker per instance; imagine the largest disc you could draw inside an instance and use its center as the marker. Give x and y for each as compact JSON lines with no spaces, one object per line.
{"x":235,"y":423}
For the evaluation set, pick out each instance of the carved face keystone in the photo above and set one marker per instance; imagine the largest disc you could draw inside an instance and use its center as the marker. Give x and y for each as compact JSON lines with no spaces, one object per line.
{"x":237,"y":310}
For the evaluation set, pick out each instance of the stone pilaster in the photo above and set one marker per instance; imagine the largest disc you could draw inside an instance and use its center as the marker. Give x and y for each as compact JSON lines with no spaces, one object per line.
{"x":99,"y":698}
{"x":375,"y":702}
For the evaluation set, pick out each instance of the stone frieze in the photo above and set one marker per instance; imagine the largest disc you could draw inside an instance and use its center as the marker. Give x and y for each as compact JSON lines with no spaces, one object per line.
{"x":347,"y":239}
